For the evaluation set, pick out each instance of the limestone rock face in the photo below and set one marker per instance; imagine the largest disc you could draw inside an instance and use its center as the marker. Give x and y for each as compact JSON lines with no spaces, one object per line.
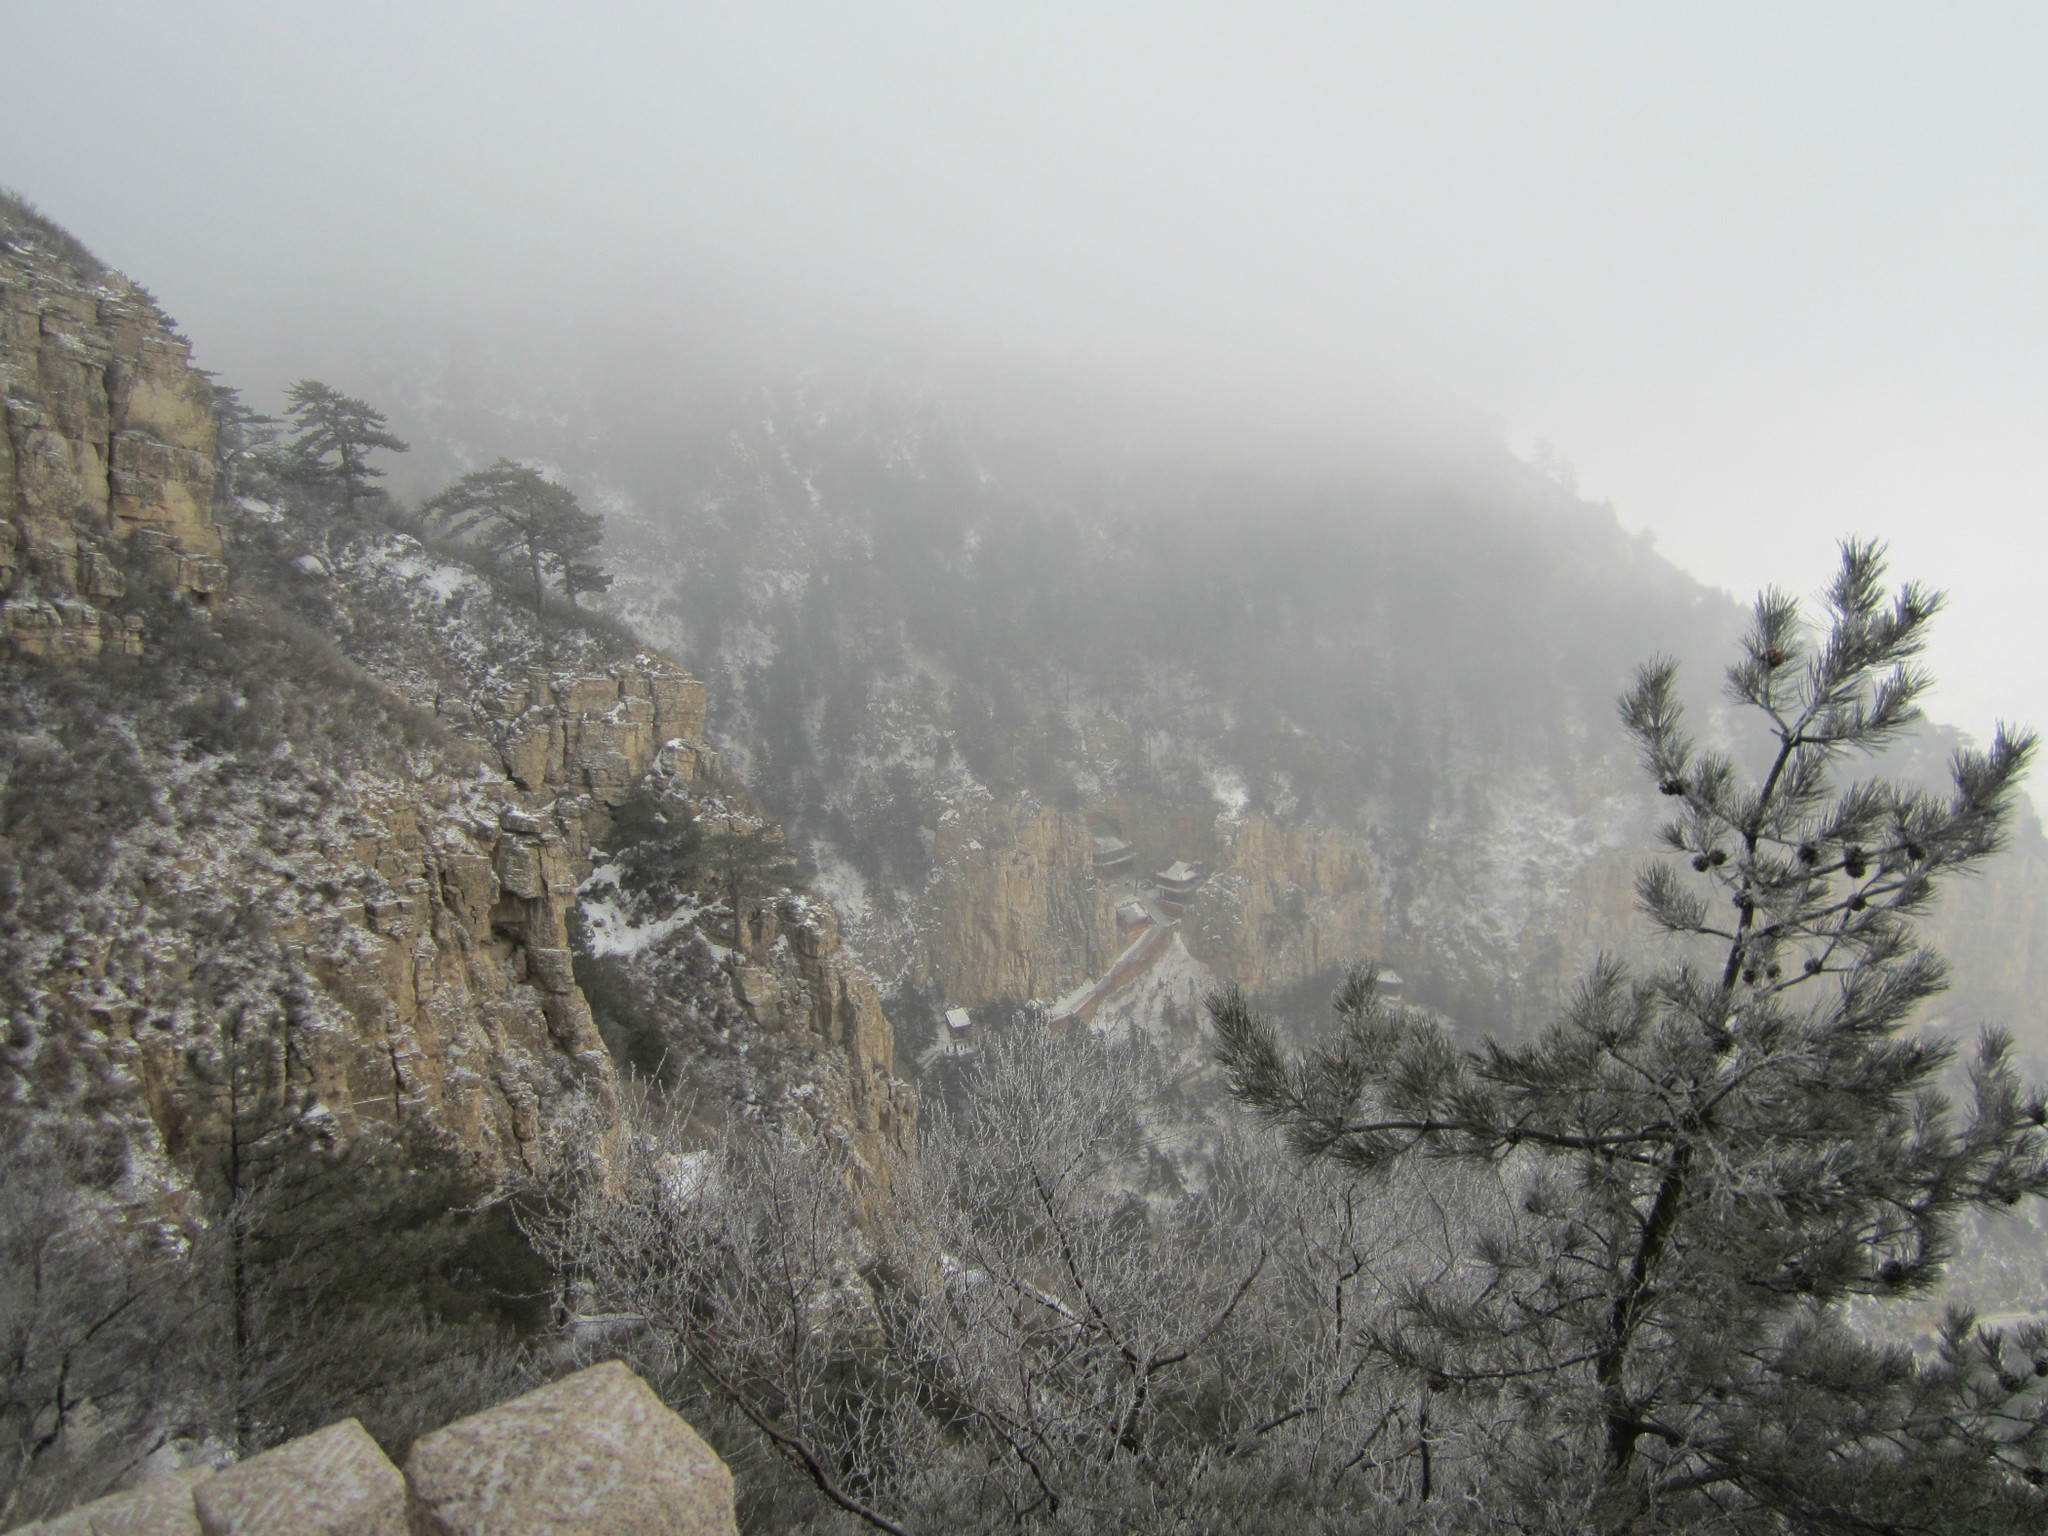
{"x":277,"y":951}
{"x":1288,"y":901}
{"x":390,"y":950}
{"x":108,"y":434}
{"x":597,"y":733}
{"x":391,"y":953}
{"x":795,"y":980}
{"x":397,"y":958}
{"x":1018,"y":911}
{"x":578,"y":743}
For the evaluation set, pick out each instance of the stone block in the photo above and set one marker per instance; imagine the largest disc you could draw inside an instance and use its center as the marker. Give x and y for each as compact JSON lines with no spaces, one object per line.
{"x":596,"y":1454}
{"x":519,"y":870}
{"x":331,"y":1483}
{"x":161,"y":1508}
{"x":77,"y":1523}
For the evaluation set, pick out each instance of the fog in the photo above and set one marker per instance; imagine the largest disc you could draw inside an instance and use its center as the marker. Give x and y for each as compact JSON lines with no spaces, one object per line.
{"x":1765,"y":278}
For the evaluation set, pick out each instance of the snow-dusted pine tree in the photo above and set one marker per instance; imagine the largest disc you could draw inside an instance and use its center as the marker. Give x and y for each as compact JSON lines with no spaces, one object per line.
{"x":1713,"y":1157}
{"x":333,"y":436}
{"x":516,"y":514}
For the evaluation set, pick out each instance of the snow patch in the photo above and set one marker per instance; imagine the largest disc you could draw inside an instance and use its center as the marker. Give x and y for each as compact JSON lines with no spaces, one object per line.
{"x":840,"y":884}
{"x":609,"y":931}
{"x":1167,"y":995}
{"x":1227,"y":786}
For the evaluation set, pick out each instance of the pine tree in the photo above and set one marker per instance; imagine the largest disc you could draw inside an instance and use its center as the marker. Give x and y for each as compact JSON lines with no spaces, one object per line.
{"x":515,"y":512}
{"x":1711,"y":1158}
{"x":656,"y":848}
{"x":241,"y":434}
{"x":745,"y":862}
{"x":333,"y":437}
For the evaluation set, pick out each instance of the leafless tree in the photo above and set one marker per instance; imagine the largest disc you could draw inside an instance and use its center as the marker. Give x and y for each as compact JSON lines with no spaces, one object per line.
{"x":1080,"y":1308}
{"x":134,"y":1326}
{"x":91,"y":1299}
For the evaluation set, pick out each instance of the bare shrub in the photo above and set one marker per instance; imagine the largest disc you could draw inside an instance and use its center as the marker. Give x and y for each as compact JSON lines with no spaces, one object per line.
{"x":1051,"y":1322}
{"x":92,"y":1301}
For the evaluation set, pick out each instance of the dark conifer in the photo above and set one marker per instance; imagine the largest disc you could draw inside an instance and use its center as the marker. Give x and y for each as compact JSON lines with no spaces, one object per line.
{"x":746,"y":861}
{"x":241,"y":434}
{"x":1714,"y":1157}
{"x":333,"y":437}
{"x":516,"y":513}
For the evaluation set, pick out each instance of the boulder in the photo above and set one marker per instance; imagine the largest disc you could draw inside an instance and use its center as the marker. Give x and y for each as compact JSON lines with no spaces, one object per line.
{"x":595,"y":1454}
{"x":335,"y":1482}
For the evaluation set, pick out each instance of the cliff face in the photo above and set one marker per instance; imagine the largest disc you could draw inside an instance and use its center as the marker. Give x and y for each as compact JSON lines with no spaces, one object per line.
{"x":292,"y":857}
{"x":330,"y":952}
{"x":109,"y":434}
{"x":1014,"y":909}
{"x":795,"y":981}
{"x":587,"y":738}
{"x":1287,"y":902}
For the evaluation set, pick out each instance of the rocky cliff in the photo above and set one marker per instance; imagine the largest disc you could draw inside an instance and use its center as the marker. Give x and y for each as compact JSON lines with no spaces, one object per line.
{"x":1287,"y":902}
{"x":281,"y":944}
{"x":296,"y":859}
{"x":1014,"y":909}
{"x":109,"y":434}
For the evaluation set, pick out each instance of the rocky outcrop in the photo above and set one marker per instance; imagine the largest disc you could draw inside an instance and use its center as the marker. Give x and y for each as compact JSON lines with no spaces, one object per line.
{"x":108,"y":437}
{"x":1287,"y":902}
{"x":293,"y":953}
{"x":398,"y":961}
{"x":1498,"y":921}
{"x":589,"y":737}
{"x":795,"y":979}
{"x":391,"y":952}
{"x":421,"y":975}
{"x":1016,"y":911}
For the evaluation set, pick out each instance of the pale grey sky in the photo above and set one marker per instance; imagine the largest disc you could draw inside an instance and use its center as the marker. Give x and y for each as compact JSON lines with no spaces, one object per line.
{"x":1766,"y":273}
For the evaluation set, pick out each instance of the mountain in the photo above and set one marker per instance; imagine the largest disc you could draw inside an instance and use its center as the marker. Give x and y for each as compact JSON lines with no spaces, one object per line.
{"x":956,"y":632}
{"x":295,"y":808}
{"x":352,"y":891}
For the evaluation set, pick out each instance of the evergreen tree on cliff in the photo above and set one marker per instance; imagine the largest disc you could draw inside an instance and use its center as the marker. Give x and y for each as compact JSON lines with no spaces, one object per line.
{"x":333,"y":436}
{"x":744,"y":863}
{"x":516,"y":514}
{"x":1710,"y":1159}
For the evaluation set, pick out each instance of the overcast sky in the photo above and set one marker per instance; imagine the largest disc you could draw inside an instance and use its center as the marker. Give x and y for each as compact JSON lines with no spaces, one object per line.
{"x":1766,"y":274}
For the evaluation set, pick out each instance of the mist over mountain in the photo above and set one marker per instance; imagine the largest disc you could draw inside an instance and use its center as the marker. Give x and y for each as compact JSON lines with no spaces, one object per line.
{"x":1032,"y":753}
{"x":391,"y":941}
{"x":925,"y":585}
